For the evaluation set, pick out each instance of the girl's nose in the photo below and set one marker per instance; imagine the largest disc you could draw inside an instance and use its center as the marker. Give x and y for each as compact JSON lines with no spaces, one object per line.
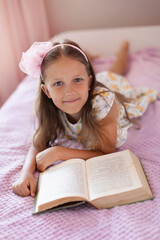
{"x":69,"y":89}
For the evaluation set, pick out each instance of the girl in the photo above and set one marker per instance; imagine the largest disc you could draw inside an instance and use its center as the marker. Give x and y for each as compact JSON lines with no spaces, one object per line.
{"x":73,"y":103}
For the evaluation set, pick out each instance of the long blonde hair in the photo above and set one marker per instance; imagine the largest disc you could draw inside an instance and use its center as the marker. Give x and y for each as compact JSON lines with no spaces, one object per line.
{"x":49,"y":122}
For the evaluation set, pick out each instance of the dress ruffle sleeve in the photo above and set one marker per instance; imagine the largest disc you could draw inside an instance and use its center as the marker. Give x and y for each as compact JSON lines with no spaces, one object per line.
{"x":102,"y":102}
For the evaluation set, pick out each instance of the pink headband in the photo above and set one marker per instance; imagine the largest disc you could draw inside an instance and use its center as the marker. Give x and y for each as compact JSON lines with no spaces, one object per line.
{"x":31,"y":59}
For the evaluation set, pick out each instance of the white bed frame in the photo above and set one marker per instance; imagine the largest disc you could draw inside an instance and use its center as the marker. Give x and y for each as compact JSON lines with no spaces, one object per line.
{"x":109,"y":40}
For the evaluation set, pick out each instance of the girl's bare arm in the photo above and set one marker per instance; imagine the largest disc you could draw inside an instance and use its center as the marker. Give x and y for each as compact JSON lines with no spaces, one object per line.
{"x":25,"y":185}
{"x":30,"y":161}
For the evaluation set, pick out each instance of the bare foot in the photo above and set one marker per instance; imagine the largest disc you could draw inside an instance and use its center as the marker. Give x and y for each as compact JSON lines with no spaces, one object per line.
{"x":124,"y":47}
{"x":120,"y":64}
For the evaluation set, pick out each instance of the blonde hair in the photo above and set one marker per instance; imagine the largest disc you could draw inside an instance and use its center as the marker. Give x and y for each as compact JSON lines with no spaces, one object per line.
{"x":49,"y":122}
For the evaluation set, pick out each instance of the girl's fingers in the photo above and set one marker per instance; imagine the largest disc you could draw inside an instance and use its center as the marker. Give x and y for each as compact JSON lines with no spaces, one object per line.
{"x":25,"y":190}
{"x":32,"y":188}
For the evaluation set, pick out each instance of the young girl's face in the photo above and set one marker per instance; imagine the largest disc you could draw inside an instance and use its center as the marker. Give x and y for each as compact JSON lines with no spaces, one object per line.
{"x":67,"y":84}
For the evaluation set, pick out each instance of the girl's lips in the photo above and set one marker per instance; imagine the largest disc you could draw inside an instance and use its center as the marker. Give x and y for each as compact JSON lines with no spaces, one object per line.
{"x":71,"y":101}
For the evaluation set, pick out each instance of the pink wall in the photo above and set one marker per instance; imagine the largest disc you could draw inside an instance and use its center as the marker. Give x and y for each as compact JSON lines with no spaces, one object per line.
{"x":84,"y":14}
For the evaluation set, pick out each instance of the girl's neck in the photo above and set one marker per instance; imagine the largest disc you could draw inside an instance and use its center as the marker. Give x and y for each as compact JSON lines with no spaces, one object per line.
{"x":73,"y":119}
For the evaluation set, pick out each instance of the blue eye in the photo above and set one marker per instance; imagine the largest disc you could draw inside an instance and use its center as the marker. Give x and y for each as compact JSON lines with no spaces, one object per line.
{"x":57,"y":84}
{"x":78,"y":80}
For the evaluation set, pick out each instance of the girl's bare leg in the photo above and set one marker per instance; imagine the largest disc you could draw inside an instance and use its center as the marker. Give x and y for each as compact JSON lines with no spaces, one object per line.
{"x":120,"y":64}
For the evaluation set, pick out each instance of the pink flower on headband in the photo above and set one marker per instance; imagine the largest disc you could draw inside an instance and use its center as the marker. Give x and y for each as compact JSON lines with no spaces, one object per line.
{"x":31,"y":59}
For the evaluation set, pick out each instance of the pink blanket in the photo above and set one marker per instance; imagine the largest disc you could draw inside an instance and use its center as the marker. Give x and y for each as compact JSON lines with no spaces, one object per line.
{"x":135,"y":221}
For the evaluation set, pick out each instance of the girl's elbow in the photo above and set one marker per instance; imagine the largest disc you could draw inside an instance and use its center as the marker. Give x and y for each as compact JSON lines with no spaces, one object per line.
{"x":109,"y":149}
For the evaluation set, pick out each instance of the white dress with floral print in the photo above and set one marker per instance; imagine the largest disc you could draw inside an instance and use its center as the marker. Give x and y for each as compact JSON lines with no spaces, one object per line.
{"x":103,"y":102}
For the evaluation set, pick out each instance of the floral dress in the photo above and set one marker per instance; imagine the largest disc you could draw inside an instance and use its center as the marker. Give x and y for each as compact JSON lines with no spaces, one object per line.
{"x":104,"y":100}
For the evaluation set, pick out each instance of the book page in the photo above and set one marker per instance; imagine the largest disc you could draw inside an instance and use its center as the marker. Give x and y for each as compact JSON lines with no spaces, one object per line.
{"x":63,"y":180}
{"x":110,"y":174}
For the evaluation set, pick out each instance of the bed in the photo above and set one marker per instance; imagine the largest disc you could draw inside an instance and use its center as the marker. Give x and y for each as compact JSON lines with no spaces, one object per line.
{"x":137,"y":221}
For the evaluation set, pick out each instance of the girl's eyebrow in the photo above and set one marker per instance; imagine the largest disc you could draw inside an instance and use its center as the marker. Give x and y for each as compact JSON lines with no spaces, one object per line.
{"x":60,"y":78}
{"x":77,"y":75}
{"x":57,"y":79}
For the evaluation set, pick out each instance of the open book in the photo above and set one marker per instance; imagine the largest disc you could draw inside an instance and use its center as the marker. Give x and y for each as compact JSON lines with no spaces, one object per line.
{"x":105,"y":181}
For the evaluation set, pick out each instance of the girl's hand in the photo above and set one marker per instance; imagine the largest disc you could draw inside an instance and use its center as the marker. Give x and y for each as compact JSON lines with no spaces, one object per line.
{"x":25,"y":185}
{"x":47,"y":157}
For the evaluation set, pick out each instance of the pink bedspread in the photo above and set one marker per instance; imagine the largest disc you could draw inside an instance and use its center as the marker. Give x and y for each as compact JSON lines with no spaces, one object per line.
{"x":135,"y":221}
